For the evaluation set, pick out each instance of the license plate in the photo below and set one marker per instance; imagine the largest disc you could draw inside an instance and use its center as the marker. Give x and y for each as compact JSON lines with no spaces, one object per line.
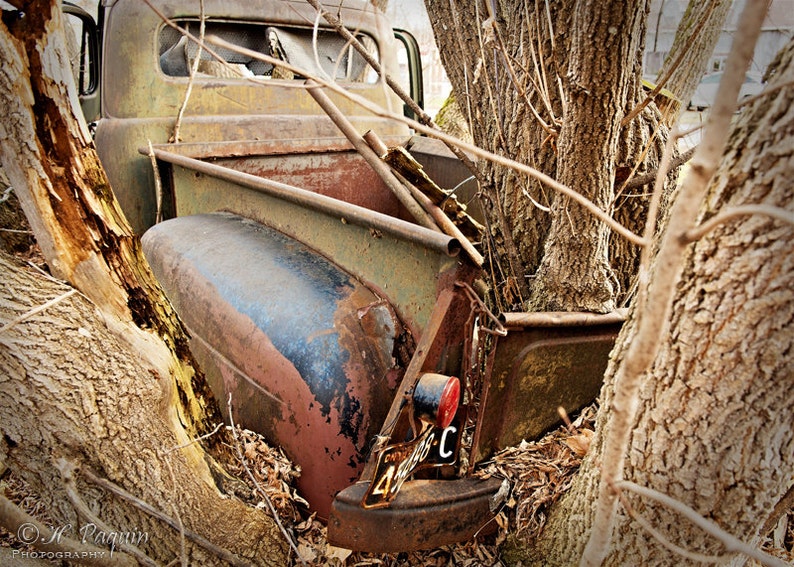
{"x":433,"y":447}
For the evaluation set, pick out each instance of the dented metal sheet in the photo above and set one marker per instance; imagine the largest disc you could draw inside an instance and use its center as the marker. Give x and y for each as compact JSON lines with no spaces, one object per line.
{"x":537,"y":369}
{"x":304,"y":349}
{"x":397,"y":259}
{"x":425,"y":514}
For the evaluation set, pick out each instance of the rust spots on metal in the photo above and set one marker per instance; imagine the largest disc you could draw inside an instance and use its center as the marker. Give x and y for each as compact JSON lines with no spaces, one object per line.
{"x":305,"y":350}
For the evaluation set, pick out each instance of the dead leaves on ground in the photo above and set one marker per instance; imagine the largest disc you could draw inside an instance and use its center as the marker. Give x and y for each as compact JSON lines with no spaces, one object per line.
{"x":537,"y":474}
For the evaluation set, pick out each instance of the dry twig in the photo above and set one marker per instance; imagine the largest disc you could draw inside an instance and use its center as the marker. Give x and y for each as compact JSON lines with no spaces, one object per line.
{"x":67,"y":470}
{"x":731,"y":543}
{"x":37,"y":310}
{"x":259,"y":488}
{"x":16,"y":521}
{"x":199,"y":540}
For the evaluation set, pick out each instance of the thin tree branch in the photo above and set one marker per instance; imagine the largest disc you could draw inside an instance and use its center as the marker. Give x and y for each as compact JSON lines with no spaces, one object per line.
{"x":476,"y":150}
{"x":679,"y":59}
{"x":264,"y":494}
{"x":196,"y":440}
{"x":16,"y":231}
{"x":654,"y":301}
{"x":424,"y":118}
{"x":37,"y":310}
{"x":191,"y":78}
{"x":175,"y":509}
{"x":659,"y":537}
{"x":777,"y":213}
{"x":731,"y":543}
{"x":514,"y":77}
{"x":13,"y":519}
{"x":158,"y":184}
{"x":419,"y":127}
{"x":67,"y":470}
{"x":199,"y":540}
{"x":651,"y":176}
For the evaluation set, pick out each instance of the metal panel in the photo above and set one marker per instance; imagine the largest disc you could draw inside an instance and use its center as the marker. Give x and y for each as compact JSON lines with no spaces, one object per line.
{"x":426,"y":514}
{"x":406,"y":269}
{"x":140,"y":103}
{"x":535,"y":371}
{"x":306,"y":351}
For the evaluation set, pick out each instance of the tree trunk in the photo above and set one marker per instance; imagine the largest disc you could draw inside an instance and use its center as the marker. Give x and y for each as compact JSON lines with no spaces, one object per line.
{"x":99,"y":410}
{"x":713,"y":428}
{"x":575,"y":273}
{"x":697,"y":34}
{"x":547,"y":85}
{"x":71,"y":389}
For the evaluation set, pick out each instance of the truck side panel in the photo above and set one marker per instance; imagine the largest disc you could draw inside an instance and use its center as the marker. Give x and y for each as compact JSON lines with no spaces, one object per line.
{"x":398,"y":260}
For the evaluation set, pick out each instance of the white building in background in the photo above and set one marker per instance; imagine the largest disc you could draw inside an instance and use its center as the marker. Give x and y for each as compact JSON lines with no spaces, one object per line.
{"x":662,"y":23}
{"x":665,"y":15}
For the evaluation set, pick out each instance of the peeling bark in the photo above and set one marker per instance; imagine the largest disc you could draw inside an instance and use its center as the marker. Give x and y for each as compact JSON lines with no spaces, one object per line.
{"x":106,"y":382}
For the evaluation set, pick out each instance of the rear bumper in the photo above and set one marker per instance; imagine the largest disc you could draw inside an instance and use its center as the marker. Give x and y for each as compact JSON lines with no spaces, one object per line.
{"x":425,"y":514}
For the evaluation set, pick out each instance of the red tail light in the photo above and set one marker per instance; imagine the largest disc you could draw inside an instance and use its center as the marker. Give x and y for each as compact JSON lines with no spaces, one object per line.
{"x":436,"y":399}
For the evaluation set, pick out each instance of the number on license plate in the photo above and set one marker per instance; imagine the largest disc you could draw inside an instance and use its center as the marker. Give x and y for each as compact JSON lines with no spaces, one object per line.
{"x":433,"y":447}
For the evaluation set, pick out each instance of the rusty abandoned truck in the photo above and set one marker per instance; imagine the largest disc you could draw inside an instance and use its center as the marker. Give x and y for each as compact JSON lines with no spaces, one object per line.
{"x":345,"y":332}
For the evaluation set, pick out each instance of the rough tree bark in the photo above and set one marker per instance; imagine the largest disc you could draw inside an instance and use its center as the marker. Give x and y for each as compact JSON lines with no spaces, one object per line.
{"x":713,"y":429}
{"x":575,"y":273}
{"x":73,"y":370}
{"x":72,"y":392}
{"x":547,"y":84}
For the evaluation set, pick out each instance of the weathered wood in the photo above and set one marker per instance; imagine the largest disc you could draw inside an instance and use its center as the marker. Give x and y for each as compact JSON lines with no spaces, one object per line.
{"x":106,"y":381}
{"x":405,"y":164}
{"x":48,"y":155}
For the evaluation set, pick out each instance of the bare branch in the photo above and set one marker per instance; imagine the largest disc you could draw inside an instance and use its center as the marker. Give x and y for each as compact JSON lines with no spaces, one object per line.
{"x":744,"y":210}
{"x":419,"y":127}
{"x":259,"y":488}
{"x":491,"y":22}
{"x":37,"y":310}
{"x":196,"y":440}
{"x":731,"y":543}
{"x":684,"y":51}
{"x":158,"y":182}
{"x":191,"y":78}
{"x":476,"y":150}
{"x":658,"y":294}
{"x":67,"y":470}
{"x":666,"y":543}
{"x":424,"y":118}
{"x":651,"y":176}
{"x":18,"y":522}
{"x":199,"y":540}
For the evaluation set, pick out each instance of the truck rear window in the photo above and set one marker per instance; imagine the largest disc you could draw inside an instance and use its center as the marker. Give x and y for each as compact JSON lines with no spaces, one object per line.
{"x":332,"y":58}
